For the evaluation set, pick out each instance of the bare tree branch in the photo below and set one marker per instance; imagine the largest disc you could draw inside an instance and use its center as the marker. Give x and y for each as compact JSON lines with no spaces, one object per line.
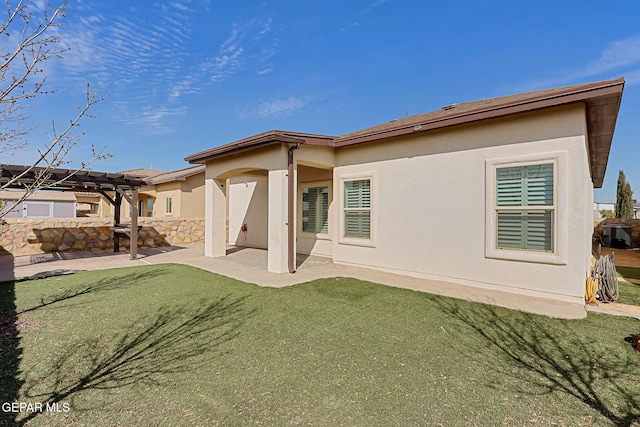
{"x":27,"y":44}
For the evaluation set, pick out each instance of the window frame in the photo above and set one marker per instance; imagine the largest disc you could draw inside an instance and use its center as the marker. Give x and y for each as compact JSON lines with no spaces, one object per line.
{"x":150,"y":205}
{"x":25,"y":208}
{"x":168,"y":205}
{"x":527,"y":208}
{"x":315,"y":184}
{"x":357,"y":241}
{"x":559,"y":223}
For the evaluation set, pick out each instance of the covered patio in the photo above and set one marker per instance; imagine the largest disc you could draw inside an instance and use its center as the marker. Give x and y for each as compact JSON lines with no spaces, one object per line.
{"x":255,"y":200}
{"x":114,"y":187}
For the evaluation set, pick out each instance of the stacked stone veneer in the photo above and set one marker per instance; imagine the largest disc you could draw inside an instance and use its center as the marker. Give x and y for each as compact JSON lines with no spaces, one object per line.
{"x":32,"y":236}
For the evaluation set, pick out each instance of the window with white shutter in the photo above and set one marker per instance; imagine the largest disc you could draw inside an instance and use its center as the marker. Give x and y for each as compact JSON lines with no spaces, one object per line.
{"x":525,"y":207}
{"x":357,"y":208}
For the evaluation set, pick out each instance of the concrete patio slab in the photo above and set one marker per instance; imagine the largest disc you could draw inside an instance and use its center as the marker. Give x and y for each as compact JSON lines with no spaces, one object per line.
{"x":249,"y":265}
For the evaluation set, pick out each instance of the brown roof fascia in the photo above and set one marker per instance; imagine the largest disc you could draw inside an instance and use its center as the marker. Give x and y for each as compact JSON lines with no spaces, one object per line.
{"x":260,"y":140}
{"x":179,"y":175}
{"x":538,"y":100}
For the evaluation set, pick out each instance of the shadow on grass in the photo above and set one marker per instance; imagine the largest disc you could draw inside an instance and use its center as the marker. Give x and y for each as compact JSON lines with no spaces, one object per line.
{"x":152,"y":351}
{"x":10,"y":351}
{"x":109,"y":283}
{"x":557,"y":360}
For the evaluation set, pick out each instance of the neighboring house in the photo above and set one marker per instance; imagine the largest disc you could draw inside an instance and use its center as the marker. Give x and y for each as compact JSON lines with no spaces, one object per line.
{"x":179,"y":193}
{"x":146,"y":195}
{"x":89,"y":204}
{"x":41,"y":204}
{"x":598,"y":207}
{"x":94,"y":204}
{"x":167,"y":194}
{"x":494,"y":194}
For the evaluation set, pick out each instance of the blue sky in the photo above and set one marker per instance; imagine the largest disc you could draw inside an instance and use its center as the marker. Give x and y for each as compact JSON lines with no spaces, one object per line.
{"x":186,"y":75}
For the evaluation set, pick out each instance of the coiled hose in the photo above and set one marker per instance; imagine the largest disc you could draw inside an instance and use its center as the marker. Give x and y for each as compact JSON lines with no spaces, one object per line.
{"x":605,"y":271}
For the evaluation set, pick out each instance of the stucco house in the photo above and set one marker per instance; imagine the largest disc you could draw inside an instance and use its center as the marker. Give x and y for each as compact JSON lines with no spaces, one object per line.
{"x":166,"y":194}
{"x":176,"y":194}
{"x":41,"y":204}
{"x":494,"y":194}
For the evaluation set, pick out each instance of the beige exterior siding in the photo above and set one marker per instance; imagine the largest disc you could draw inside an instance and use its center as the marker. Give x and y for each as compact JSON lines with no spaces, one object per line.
{"x":430,"y":216}
{"x":248,"y":205}
{"x":187,"y":199}
{"x":494,"y":194}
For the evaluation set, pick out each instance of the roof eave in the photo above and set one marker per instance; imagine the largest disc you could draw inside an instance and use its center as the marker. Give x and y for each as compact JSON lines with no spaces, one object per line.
{"x":602,"y":115}
{"x":259,"y":141}
{"x":162,"y":179}
{"x":611,"y":87}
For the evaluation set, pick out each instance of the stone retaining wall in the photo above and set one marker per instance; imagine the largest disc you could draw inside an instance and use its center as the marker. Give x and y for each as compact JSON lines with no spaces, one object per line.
{"x":22,"y":236}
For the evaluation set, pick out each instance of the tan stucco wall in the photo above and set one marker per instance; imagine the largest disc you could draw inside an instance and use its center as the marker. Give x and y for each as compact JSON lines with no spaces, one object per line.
{"x":192,"y":196}
{"x":248,"y":204}
{"x":430,"y":213}
{"x":163,"y":192}
{"x":271,"y":161}
{"x":105,"y":208}
{"x":187,"y":199}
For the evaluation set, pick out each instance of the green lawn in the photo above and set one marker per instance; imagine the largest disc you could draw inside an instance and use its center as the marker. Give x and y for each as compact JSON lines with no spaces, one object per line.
{"x":629,"y":292}
{"x":176,"y":346}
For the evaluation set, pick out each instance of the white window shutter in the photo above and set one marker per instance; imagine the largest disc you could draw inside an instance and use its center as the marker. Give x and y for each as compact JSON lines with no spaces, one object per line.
{"x":530,"y":188}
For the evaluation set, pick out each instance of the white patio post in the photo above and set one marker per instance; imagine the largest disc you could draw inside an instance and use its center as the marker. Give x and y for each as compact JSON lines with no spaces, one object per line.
{"x":277,"y":242}
{"x":216,"y":216}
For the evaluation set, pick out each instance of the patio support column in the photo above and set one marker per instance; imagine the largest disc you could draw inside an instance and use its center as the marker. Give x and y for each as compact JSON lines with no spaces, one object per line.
{"x":216,"y":218}
{"x":133,"y":246}
{"x":277,"y":241}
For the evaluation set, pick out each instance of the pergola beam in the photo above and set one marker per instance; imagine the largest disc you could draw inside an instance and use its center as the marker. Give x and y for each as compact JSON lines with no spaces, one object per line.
{"x":83,"y":181}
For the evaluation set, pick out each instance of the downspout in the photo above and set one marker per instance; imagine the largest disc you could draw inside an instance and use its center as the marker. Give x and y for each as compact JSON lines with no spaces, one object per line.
{"x":290,"y":209}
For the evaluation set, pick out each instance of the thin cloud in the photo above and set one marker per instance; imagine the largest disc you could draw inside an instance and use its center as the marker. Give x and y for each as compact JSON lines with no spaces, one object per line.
{"x":153,"y":120}
{"x":378,"y":3}
{"x":621,"y":57}
{"x":141,"y":57}
{"x":186,"y":86}
{"x":366,"y":11}
{"x":232,"y":55}
{"x":227,"y":60}
{"x":619,"y":53}
{"x":632,"y":78}
{"x":180,"y":6}
{"x":276,"y":108}
{"x":375,"y":5}
{"x":136,"y":63}
{"x":265,"y":29}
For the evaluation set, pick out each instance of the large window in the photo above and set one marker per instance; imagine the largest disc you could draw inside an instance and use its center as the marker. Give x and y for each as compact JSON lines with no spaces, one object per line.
{"x":315,"y":210}
{"x":525,"y":207}
{"x":357,"y":208}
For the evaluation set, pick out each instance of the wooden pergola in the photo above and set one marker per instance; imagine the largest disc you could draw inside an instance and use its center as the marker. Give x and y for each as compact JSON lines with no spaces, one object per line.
{"x":23,"y":177}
